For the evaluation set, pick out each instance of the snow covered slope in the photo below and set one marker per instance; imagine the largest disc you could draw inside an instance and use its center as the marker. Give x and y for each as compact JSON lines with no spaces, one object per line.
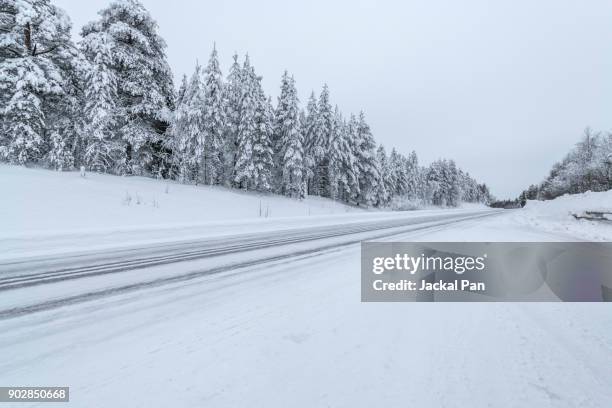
{"x":43,"y":200}
{"x":555,"y":215}
{"x":47,"y":212}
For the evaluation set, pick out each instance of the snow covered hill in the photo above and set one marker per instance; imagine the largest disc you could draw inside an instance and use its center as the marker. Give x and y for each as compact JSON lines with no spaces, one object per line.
{"x":42,"y":200}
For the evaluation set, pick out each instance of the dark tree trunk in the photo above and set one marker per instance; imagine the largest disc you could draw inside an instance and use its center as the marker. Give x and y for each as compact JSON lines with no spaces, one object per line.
{"x":27,"y":34}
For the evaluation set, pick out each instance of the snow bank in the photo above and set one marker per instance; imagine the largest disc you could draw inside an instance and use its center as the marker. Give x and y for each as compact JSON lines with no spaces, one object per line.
{"x":555,"y":215}
{"x":36,"y":200}
{"x":539,"y":221}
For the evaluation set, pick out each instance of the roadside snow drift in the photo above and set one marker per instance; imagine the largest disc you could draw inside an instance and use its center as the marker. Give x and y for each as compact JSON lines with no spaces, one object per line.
{"x":43,"y":200}
{"x":555,"y":216}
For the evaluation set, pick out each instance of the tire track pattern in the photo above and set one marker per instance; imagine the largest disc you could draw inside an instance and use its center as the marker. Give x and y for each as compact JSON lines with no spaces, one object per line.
{"x":139,"y":258}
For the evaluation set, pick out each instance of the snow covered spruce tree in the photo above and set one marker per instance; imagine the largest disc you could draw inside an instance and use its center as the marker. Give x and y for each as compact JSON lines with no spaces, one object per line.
{"x":253,"y":169}
{"x":343,"y":175}
{"x":103,"y":149}
{"x":398,"y":173}
{"x":23,"y":120}
{"x":187,"y":130}
{"x":264,"y":161}
{"x":214,"y":122}
{"x":39,"y":84}
{"x":453,"y":184}
{"x":181,"y":91}
{"x":243,"y":162}
{"x":413,"y":176}
{"x":145,"y":93}
{"x":381,"y":195}
{"x":365,"y":156}
{"x":309,"y":133}
{"x":323,"y":135}
{"x":469,"y":190}
{"x":384,"y":196}
{"x":443,"y":181}
{"x":172,"y":132}
{"x":317,"y":131}
{"x":232,"y":98}
{"x":336,"y":175}
{"x":288,"y":141}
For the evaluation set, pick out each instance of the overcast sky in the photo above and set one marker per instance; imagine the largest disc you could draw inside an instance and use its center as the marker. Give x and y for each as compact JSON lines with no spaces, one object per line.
{"x":503,"y":87}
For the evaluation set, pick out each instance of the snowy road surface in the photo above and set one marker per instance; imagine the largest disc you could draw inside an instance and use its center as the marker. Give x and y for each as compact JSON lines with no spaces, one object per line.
{"x":291,"y":331}
{"x":134,"y":267}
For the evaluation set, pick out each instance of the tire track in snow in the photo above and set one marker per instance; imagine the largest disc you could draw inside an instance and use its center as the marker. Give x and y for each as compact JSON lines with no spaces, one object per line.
{"x":93,"y":295}
{"x":143,"y":257}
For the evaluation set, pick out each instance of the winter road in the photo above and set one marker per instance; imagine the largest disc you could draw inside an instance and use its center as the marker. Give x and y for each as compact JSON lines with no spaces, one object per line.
{"x":26,"y":272}
{"x":283,"y":325}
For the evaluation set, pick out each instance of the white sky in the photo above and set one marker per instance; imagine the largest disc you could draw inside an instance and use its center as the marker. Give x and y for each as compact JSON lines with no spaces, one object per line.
{"x":503,"y":87}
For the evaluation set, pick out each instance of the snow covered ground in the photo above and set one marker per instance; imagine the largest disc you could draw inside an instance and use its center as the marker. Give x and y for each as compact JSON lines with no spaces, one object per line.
{"x":47,"y":212}
{"x":37,"y":200}
{"x":285,"y":332}
{"x":555,"y":216}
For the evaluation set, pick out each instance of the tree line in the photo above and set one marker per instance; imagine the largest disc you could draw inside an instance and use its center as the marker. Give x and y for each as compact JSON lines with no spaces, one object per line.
{"x":109,"y":104}
{"x":587,"y":167}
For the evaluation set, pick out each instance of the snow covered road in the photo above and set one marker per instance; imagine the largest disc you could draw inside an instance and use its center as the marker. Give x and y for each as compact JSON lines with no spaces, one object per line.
{"x":296,"y":334}
{"x":140,"y":263}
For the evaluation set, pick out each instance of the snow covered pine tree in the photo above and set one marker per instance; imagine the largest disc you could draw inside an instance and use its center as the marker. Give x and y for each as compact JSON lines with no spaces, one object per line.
{"x":103,"y":147}
{"x":254,"y":163}
{"x":38,"y":84}
{"x":288,"y":141}
{"x":214,"y":122}
{"x":144,"y":82}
